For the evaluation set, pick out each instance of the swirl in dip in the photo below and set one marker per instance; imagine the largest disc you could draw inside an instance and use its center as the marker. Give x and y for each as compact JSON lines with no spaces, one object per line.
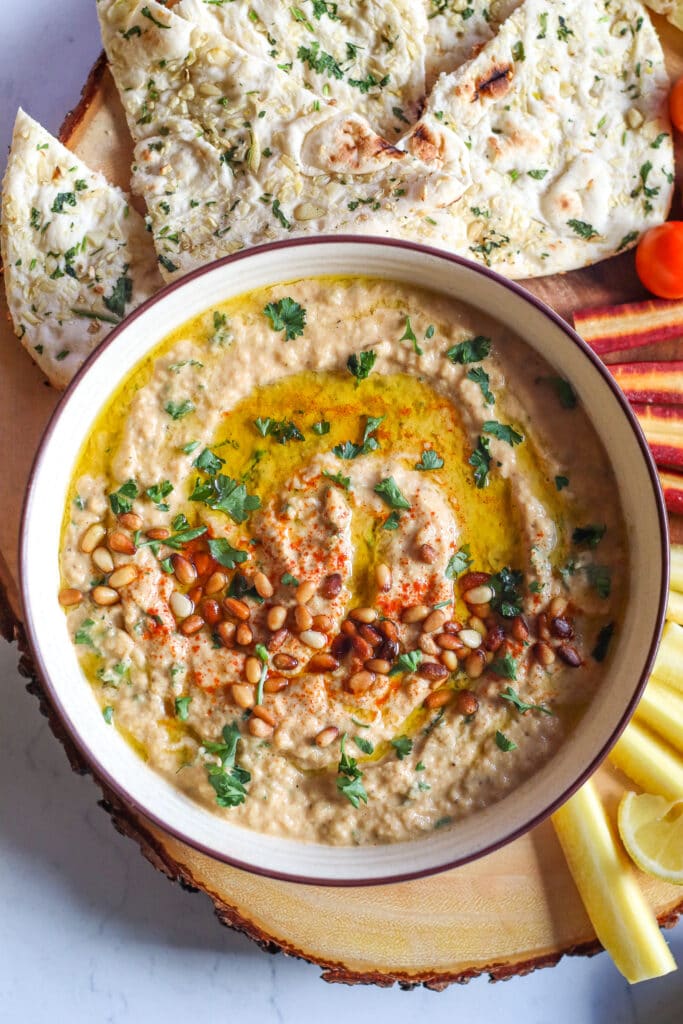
{"x":342,"y":559}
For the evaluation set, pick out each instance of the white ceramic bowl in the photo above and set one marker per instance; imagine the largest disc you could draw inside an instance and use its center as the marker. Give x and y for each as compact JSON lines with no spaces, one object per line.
{"x":111,"y":758}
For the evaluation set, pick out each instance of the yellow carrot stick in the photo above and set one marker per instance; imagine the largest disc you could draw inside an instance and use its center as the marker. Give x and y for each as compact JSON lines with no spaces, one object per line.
{"x":668,"y":666}
{"x":674,"y":608}
{"x":649,"y":761}
{"x":662,"y":709}
{"x":623,"y":921}
{"x":676,"y":563}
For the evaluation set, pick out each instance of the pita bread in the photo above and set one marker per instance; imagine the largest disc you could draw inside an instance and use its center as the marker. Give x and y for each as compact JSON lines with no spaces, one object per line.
{"x":76,"y":256}
{"x":231,"y":152}
{"x":368,"y":56}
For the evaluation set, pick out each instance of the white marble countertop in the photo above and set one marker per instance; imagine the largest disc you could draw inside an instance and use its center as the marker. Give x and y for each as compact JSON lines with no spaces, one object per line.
{"x":89,"y":932}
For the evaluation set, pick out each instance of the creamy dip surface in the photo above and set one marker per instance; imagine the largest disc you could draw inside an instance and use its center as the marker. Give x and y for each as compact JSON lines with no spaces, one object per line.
{"x":343,"y":561}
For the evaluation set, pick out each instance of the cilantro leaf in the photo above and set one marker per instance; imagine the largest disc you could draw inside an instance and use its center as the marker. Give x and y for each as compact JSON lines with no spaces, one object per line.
{"x":350,"y":777}
{"x":538,"y":174}
{"x":182,"y":708}
{"x":590,"y":535}
{"x":389,"y":491}
{"x":458,"y":563}
{"x":505,"y":667}
{"x":157,"y":493}
{"x":360,"y":365}
{"x":507,"y":599}
{"x":409,"y":335}
{"x":481,"y":460}
{"x":225,"y":554}
{"x":177,"y":410}
{"x":121,"y":501}
{"x":429,"y":460}
{"x":364,"y":745}
{"x":209,"y":462}
{"x":583,"y":229}
{"x":409,"y":661}
{"x":82,"y":635}
{"x":288,"y":580}
{"x":481,"y":377}
{"x":349,"y":450}
{"x":503,"y":432}
{"x":63,"y":199}
{"x":392,"y":521}
{"x":288,"y":316}
{"x":337,"y":478}
{"x":471,"y":351}
{"x":121,"y":294}
{"x":503,"y":743}
{"x":402,"y":745}
{"x":227,"y":779}
{"x":321,"y":427}
{"x":282,"y":430}
{"x":224,"y":494}
{"x":513,"y":698}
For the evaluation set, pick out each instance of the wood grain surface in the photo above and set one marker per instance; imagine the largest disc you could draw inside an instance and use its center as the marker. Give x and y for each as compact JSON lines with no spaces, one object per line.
{"x":505,"y":914}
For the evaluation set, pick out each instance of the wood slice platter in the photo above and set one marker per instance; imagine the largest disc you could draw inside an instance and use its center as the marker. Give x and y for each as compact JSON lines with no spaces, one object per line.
{"x":505,"y":914}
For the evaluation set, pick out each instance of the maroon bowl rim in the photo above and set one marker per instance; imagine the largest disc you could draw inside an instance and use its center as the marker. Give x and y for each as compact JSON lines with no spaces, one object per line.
{"x":104,"y":778}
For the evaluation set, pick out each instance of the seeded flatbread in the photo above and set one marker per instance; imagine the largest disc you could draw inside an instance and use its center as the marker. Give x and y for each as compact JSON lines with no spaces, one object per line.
{"x":76,"y":256}
{"x":365,"y":55}
{"x":230,"y":152}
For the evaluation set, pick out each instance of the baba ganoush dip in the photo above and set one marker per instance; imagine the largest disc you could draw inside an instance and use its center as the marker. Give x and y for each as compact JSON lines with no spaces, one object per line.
{"x":342,"y":560}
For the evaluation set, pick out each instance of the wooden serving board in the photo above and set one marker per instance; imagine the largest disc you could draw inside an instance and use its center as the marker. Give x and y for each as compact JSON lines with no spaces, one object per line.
{"x":505,"y":914}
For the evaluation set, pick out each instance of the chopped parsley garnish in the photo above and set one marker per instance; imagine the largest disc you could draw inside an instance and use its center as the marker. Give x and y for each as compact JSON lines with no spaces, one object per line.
{"x":389,"y":491}
{"x":583,"y":229}
{"x":121,"y":501}
{"x":108,"y":714}
{"x":339,"y":479}
{"x":505,"y":667}
{"x":182,"y":708}
{"x":321,"y":427}
{"x":63,"y":199}
{"x":538,"y":174}
{"x":288,"y":580}
{"x":282,"y":430}
{"x":209,"y":462}
{"x":365,"y":745}
{"x":503,"y":432}
{"x":503,"y":743}
{"x":146,"y":13}
{"x":224,"y":494}
{"x":318,"y":60}
{"x":350,"y":777}
{"x":225,"y":554}
{"x":167,"y":263}
{"x":564,"y":391}
{"x":392,"y":521}
{"x":518,"y":51}
{"x":190,"y":447}
{"x":601,"y":648}
{"x":513,"y":698}
{"x":429,"y":460}
{"x":471,"y":351}
{"x":600,"y":579}
{"x":402,"y":745}
{"x":82,"y":635}
{"x":121,"y":294}
{"x":507,"y":599}
{"x":409,"y":661}
{"x":480,"y":459}
{"x":481,"y":377}
{"x":409,"y":335}
{"x":458,"y":563}
{"x":659,"y":140}
{"x":227,"y":779}
{"x":563,"y":31}
{"x":590,"y":535}
{"x":561,"y":482}
{"x":360,"y":365}
{"x":157,"y":493}
{"x":178,"y":410}
{"x":349,"y":450}
{"x":364,"y":85}
{"x":442,"y":822}
{"x":628,"y":239}
{"x":288,"y":316}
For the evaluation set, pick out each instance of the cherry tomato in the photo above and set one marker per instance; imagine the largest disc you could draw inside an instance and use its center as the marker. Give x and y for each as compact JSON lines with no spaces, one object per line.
{"x":676,"y":104}
{"x":659,"y":260}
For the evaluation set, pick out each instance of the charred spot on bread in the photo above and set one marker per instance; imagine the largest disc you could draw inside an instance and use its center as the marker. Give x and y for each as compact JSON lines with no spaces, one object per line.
{"x":495,"y":83}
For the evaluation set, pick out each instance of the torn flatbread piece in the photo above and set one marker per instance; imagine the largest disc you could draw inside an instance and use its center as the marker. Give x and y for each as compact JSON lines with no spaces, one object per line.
{"x":76,"y":256}
{"x":231,"y":153}
{"x":367,"y":56}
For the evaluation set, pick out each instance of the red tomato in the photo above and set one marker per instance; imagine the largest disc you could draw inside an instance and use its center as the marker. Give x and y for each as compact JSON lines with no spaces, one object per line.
{"x":676,"y":104}
{"x":659,"y":260}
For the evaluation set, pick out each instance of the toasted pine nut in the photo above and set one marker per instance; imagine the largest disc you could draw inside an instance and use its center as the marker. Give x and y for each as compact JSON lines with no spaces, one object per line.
{"x":478,"y":595}
{"x":434,"y":621}
{"x":432,"y":670}
{"x":466,"y":703}
{"x":122,"y":576}
{"x":327,"y":736}
{"x":438,"y":699}
{"x":102,"y":559}
{"x":557,"y":606}
{"x":482,"y":611}
{"x":180,"y":605}
{"x":416,"y":613}
{"x":158,"y":533}
{"x":264,"y":588}
{"x":471,"y":638}
{"x":238,"y":609}
{"x":257,"y":727}
{"x":323,"y":623}
{"x":184,"y":569}
{"x":313,"y":639}
{"x":121,"y":543}
{"x":243,"y":695}
{"x":361,"y":648}
{"x":252,"y":669}
{"x":569,"y":655}
{"x":285,"y":662}
{"x":520,"y":629}
{"x":544,"y":653}
{"x":274,"y":684}
{"x":361,"y":681}
{"x":226,"y":632}
{"x":448,"y":642}
{"x":105,"y":596}
{"x":304,"y":592}
{"x":388,"y":650}
{"x":561,"y":628}
{"x":475,"y":663}
{"x":92,"y":537}
{"x":427,"y":553}
{"x":243,"y":634}
{"x":494,"y":638}
{"x":378,"y":665}
{"x":383,"y":577}
{"x":211,"y":611}
{"x":472,"y":579}
{"x":276,"y":617}
{"x":388,"y":629}
{"x":363,"y":614}
{"x":322,"y":662}
{"x":331,"y":585}
{"x":202,"y":562}
{"x":340,"y":646}
{"x":264,"y":714}
{"x":542,"y":626}
{"x":370,"y":633}
{"x":215,"y":583}
{"x":449,"y":659}
{"x":192,"y":624}
{"x":302,"y":617}
{"x":69,"y":597}
{"x":348,"y":628}
{"x":474,"y":622}
{"x":131,"y":521}
{"x":428,"y":644}
{"x":277,"y":639}
{"x":196,"y":594}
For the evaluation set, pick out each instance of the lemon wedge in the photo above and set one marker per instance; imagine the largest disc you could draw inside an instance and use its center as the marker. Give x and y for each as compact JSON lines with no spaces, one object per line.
{"x":651,"y":829}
